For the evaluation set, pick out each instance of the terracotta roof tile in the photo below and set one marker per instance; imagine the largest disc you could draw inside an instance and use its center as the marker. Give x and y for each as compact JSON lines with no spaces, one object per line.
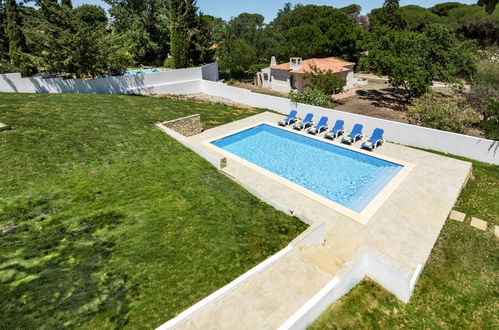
{"x":324,"y":64}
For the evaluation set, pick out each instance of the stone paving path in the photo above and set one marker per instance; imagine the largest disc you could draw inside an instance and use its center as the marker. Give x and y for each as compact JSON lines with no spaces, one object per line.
{"x":271,"y":297}
{"x":475,"y":222}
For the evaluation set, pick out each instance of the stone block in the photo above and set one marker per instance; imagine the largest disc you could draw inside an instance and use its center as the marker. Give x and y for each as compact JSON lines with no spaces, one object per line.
{"x":478,"y":223}
{"x":456,"y":215}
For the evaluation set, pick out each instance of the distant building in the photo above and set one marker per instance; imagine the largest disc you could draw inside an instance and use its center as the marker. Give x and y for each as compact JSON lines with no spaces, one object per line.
{"x":288,"y":76}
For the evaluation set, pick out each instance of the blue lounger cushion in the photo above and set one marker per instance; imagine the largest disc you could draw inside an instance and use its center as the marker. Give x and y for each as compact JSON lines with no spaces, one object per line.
{"x":306,"y":122}
{"x":375,"y":140}
{"x":321,"y":126}
{"x":291,"y":118}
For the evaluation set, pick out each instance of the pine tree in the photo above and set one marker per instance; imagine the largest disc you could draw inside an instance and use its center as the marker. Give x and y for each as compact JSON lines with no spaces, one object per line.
{"x":67,"y":3}
{"x":17,"y":41}
{"x":183,"y":27}
{"x":389,"y":16}
{"x":4,"y":41}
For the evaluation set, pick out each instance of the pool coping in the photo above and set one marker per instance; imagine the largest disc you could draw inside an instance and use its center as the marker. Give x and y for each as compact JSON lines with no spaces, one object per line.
{"x":369,"y":210}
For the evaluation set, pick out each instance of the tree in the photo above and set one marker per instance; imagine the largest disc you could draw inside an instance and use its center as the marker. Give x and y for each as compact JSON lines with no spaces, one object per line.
{"x":490,"y":5}
{"x":417,"y":18}
{"x":389,"y":16}
{"x":183,"y":24}
{"x":285,"y":9}
{"x":443,"y":9}
{"x":17,"y":40}
{"x":236,"y":55}
{"x":413,"y":60}
{"x":316,"y":31}
{"x":91,"y":14}
{"x":4,"y":40}
{"x":145,"y":26}
{"x":67,"y":3}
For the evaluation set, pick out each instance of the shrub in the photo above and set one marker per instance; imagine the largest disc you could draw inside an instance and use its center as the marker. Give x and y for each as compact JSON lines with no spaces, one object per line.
{"x":484,"y":87}
{"x":325,"y":81}
{"x":313,"y":97}
{"x":6,"y":67}
{"x":439,"y":112}
{"x":169,"y":62}
{"x":490,"y":126}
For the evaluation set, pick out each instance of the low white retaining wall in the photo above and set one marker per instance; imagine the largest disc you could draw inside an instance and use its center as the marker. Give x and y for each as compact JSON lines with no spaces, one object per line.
{"x":183,"y":81}
{"x":457,"y":144}
{"x":392,"y":276}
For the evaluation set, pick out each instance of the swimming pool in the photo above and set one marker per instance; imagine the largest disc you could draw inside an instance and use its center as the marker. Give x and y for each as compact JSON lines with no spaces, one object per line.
{"x":141,"y":71}
{"x":133,"y":72}
{"x":346,"y":177}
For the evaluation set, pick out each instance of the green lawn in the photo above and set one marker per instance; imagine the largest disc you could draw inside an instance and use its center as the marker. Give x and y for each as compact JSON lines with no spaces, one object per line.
{"x":116,"y":223}
{"x":459,"y":286}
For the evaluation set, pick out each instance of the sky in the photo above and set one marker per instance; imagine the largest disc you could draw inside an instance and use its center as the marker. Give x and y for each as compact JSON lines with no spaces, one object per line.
{"x":268,"y":8}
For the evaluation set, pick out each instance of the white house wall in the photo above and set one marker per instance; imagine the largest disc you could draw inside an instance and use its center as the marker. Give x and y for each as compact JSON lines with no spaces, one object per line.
{"x":280,"y":81}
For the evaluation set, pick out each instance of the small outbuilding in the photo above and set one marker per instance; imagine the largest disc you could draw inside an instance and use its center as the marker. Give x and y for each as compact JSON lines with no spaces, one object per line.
{"x":291,"y":75}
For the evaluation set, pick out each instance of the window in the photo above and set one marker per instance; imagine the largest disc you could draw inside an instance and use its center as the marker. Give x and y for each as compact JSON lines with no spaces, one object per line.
{"x":265,"y":76}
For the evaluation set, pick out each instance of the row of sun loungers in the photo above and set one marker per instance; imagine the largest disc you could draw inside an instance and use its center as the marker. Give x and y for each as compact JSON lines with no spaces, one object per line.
{"x":337,"y":130}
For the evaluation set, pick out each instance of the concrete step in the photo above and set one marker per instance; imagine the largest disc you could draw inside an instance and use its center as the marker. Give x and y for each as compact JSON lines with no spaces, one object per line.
{"x":322,"y":257}
{"x":267,"y":300}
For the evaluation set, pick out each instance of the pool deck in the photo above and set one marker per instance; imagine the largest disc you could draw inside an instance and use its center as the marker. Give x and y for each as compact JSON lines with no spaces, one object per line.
{"x":404,"y":229}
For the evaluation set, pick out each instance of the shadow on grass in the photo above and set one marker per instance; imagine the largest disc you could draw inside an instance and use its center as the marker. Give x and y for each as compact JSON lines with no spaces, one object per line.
{"x":52,"y":267}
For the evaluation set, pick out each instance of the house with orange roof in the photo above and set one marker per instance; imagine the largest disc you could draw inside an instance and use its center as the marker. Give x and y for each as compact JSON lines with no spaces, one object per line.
{"x":291,"y":75}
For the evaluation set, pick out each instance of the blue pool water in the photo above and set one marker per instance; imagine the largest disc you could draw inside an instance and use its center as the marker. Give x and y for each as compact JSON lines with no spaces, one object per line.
{"x":344,"y":176}
{"x":132,"y":72}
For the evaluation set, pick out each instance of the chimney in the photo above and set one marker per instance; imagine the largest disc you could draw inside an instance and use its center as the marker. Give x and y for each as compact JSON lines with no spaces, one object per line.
{"x":273,"y":61}
{"x":295,"y":63}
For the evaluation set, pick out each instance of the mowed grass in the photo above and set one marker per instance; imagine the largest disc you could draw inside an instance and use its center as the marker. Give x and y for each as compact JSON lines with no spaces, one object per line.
{"x":459,"y":286}
{"x":106,"y":222}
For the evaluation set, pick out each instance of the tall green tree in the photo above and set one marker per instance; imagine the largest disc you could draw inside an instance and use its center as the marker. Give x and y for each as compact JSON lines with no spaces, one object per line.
{"x":490,"y":5}
{"x":389,"y":16}
{"x":67,"y":3}
{"x":17,"y":40}
{"x":316,"y":31}
{"x":236,"y":55}
{"x":183,"y":26}
{"x":4,"y":40}
{"x":145,"y":26}
{"x":413,"y":60}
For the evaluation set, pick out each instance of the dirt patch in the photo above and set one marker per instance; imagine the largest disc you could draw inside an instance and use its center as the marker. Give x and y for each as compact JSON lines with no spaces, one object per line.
{"x":258,"y":89}
{"x":385,"y":103}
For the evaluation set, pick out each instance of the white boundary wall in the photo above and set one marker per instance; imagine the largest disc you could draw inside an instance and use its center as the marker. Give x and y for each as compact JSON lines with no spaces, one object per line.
{"x":183,"y":81}
{"x":457,"y":144}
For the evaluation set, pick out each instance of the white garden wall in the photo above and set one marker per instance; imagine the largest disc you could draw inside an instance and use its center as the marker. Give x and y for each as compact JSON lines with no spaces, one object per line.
{"x":183,"y":81}
{"x":462,"y":145}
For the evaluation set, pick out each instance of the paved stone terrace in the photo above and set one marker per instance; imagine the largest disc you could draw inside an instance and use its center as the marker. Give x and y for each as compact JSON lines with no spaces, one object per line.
{"x":404,"y":229}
